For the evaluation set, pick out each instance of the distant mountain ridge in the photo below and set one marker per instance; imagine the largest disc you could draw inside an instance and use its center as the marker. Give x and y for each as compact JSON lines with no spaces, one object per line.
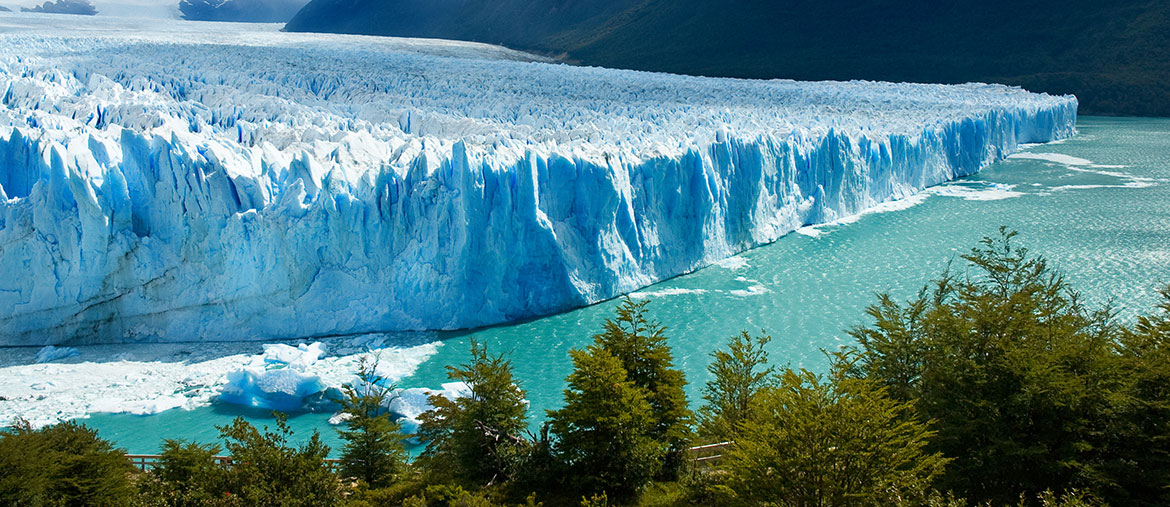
{"x":1112,"y":55}
{"x":252,"y":11}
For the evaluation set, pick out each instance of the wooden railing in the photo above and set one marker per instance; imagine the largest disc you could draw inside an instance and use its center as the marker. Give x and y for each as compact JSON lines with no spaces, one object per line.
{"x":708,"y":456}
{"x":146,"y":462}
{"x":703,"y":456}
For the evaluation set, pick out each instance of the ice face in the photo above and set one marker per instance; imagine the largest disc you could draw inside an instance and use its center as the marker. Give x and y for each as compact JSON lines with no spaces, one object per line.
{"x":165,"y":186}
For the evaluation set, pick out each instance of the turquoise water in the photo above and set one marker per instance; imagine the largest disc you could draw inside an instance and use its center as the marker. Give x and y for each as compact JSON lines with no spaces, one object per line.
{"x":1106,"y":228}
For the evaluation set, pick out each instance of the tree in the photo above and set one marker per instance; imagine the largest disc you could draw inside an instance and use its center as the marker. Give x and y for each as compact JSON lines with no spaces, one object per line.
{"x":62,"y":464}
{"x":374,"y":450}
{"x":267,"y":470}
{"x":737,"y":375}
{"x":1021,"y":379}
{"x":844,"y":441}
{"x":187,"y":474}
{"x":465,"y":437}
{"x":603,"y":431}
{"x":639,"y":344}
{"x":1141,"y":442}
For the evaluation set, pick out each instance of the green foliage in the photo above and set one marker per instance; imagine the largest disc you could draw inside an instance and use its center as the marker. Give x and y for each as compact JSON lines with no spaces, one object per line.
{"x":737,"y":375}
{"x":1140,"y":446}
{"x":640,"y":345}
{"x":603,"y":430}
{"x":597,"y":500}
{"x":1023,"y":381}
{"x":1071,"y":498}
{"x":449,"y":495}
{"x":467,"y":438}
{"x":267,"y":471}
{"x":373,"y":450}
{"x":61,"y":464}
{"x":666,"y":494}
{"x":844,"y":441}
{"x":187,"y":474}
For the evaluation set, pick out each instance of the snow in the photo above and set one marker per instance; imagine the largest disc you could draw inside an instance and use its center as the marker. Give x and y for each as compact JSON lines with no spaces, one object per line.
{"x":150,"y":378}
{"x":181,"y":181}
{"x":300,"y":356}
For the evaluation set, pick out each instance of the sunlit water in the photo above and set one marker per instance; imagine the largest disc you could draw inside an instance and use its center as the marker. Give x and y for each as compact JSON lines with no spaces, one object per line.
{"x":1103,"y":220}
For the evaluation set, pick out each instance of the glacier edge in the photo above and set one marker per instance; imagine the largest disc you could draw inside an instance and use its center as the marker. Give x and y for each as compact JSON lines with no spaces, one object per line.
{"x":120,"y":226}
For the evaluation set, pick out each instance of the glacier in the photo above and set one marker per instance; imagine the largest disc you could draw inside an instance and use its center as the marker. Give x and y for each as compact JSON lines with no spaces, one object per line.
{"x":179,"y":181}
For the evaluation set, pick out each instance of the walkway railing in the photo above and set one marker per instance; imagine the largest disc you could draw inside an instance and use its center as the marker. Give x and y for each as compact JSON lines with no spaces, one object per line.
{"x":703,"y":456}
{"x":146,"y":462}
{"x":707,"y":457}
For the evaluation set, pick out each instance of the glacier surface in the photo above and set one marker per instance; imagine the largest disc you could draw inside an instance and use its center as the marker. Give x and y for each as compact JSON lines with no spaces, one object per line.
{"x":183,"y":181}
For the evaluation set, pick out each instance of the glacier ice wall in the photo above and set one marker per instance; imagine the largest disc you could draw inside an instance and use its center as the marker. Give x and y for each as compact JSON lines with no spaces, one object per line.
{"x":174,"y":188}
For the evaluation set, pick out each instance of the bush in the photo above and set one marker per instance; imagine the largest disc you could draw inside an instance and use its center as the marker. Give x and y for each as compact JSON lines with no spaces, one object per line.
{"x":187,"y":474}
{"x":1030,"y":390}
{"x":266,"y":470}
{"x":843,"y":441}
{"x":62,"y":464}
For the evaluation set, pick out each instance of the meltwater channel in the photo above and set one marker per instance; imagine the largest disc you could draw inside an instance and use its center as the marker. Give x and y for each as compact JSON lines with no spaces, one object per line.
{"x":1096,"y":205}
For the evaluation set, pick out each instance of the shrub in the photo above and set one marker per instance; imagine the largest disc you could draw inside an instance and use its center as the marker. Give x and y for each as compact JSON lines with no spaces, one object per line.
{"x":267,"y":470}
{"x":843,"y":441}
{"x":187,"y":474}
{"x":62,"y":464}
{"x":1022,"y":379}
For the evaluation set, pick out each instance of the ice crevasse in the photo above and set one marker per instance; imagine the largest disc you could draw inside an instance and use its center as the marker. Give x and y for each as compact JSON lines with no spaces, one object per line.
{"x":156,"y":189}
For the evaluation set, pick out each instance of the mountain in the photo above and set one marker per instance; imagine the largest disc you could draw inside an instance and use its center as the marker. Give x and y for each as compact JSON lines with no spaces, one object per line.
{"x":254,"y":11}
{"x":80,"y":7}
{"x":1110,"y":54}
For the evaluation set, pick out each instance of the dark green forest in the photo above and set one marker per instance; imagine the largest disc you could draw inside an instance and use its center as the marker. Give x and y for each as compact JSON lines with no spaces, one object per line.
{"x":994,"y":385}
{"x":1111,"y":55}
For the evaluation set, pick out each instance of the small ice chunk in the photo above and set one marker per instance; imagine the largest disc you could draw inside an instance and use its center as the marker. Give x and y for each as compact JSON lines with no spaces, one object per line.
{"x":51,"y":353}
{"x":300,"y":356}
{"x":339,"y":418}
{"x":411,"y":403}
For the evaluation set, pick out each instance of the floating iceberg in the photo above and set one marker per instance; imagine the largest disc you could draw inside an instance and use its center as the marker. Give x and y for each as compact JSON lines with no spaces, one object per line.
{"x":284,"y":389}
{"x":166,"y":186}
{"x":49,"y":353}
{"x":409,"y":404}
